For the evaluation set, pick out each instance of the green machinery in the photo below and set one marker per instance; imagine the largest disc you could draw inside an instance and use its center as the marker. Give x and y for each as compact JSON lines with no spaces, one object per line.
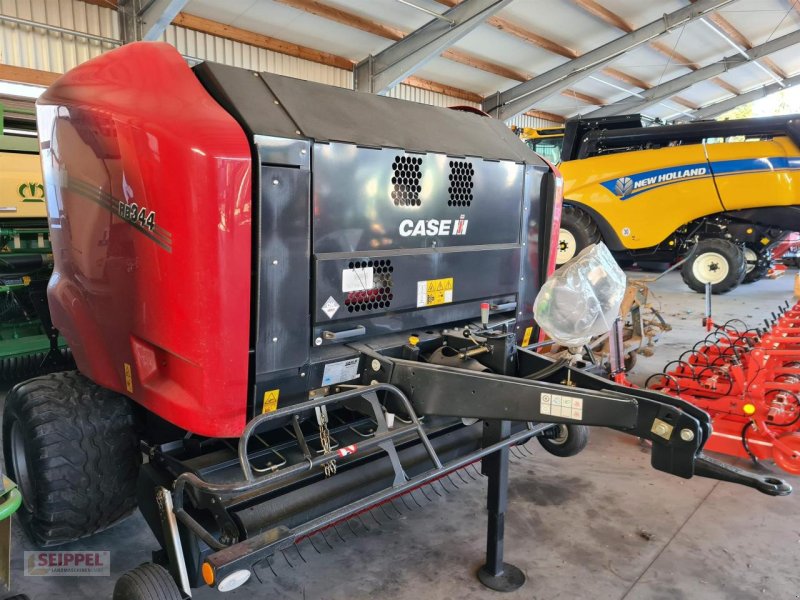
{"x":28,"y":342}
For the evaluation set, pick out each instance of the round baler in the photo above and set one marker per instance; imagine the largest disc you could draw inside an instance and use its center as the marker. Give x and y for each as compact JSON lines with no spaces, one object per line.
{"x":265,"y":298}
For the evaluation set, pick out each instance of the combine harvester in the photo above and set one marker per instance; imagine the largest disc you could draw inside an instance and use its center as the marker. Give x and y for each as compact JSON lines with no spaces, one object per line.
{"x":721,"y":193}
{"x":268,"y":298}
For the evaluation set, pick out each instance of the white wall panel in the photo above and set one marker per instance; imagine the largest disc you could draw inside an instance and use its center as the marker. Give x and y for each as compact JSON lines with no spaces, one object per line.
{"x":36,"y":48}
{"x":533,"y":122}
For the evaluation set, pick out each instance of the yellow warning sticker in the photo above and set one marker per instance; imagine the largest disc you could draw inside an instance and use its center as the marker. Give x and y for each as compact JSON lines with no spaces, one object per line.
{"x":270,"y":401}
{"x":128,"y":378}
{"x":526,"y":339}
{"x":434,"y":291}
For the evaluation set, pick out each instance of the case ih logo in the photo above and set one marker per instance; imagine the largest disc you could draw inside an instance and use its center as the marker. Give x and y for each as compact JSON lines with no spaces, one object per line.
{"x":432,"y":227}
{"x":31,"y":192}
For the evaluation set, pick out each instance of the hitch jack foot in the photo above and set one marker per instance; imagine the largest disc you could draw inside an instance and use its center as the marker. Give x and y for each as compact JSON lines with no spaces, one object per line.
{"x":496,"y":574}
{"x":509,"y":579}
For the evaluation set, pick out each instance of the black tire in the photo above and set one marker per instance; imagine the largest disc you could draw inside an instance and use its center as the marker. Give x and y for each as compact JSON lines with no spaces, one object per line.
{"x":582,"y":230}
{"x":72,"y":448}
{"x":570,"y":440}
{"x":757,"y":264}
{"x":710,"y":256}
{"x":147,"y":582}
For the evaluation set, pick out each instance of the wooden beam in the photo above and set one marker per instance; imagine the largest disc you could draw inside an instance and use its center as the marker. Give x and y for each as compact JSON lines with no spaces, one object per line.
{"x":344,"y":17}
{"x":236,"y":34}
{"x":583,"y":97}
{"x":772,"y":66}
{"x":262,"y":41}
{"x":25,"y":75}
{"x":326,"y":11}
{"x":740,"y":39}
{"x":540,"y":114}
{"x":674,"y":55}
{"x":530,"y":37}
{"x":726,"y":86}
{"x":613,"y":19}
{"x":441,"y":88}
{"x":684,"y":102}
{"x":729,"y":30}
{"x":625,"y":78}
{"x":604,"y":14}
{"x":484,"y":65}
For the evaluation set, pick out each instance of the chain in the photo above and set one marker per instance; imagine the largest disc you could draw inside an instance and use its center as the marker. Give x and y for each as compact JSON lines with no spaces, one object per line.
{"x":325,"y":440}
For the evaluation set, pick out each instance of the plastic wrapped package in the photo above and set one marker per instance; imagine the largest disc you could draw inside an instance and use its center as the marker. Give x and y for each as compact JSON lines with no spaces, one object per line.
{"x":581,"y":299}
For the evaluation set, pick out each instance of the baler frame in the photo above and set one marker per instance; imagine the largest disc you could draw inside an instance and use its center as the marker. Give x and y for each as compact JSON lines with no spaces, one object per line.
{"x":677,"y":430}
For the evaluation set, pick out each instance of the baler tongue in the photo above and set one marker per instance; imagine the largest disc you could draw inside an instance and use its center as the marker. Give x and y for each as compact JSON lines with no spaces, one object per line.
{"x":705,"y":466}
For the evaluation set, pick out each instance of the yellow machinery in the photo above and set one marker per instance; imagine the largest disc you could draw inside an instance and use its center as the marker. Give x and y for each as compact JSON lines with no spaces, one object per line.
{"x":546,"y":142}
{"x":28,"y":342}
{"x":722,"y":193}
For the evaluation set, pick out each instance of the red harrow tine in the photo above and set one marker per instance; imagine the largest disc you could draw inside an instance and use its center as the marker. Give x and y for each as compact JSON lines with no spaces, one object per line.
{"x":748,"y":380}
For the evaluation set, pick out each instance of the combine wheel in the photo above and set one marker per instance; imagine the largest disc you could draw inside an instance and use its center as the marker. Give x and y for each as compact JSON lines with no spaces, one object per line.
{"x":714,"y":261}
{"x":568,"y":441}
{"x":577,"y":232}
{"x":757,"y":264}
{"x":147,"y":582}
{"x":71,"y":447}
{"x":788,"y":460}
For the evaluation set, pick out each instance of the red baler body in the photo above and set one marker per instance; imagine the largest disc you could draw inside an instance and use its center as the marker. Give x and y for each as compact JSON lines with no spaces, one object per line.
{"x":149,"y":200}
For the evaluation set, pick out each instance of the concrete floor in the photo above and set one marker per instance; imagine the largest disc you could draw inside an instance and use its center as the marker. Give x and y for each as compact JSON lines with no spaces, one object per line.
{"x":601,"y":525}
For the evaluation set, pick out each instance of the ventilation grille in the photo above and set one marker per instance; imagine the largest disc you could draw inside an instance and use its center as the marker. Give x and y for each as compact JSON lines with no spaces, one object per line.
{"x":377,"y":298}
{"x":461,"y":173}
{"x":407,"y":180}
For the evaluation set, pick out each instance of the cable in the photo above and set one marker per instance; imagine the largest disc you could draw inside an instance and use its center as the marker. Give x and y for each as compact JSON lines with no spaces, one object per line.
{"x":745,"y":444}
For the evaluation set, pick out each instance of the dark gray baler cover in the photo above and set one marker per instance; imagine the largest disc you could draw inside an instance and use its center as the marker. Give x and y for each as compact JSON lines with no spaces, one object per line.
{"x":326,"y":113}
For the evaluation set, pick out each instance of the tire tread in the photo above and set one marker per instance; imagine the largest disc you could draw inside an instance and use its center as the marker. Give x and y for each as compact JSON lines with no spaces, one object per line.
{"x":83,"y":455}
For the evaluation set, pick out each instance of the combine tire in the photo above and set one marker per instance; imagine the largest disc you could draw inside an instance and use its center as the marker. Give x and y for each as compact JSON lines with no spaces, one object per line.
{"x":72,"y":449}
{"x":147,"y":582}
{"x":717,"y":261}
{"x":569,"y":440}
{"x":757,"y":264}
{"x":577,"y":232}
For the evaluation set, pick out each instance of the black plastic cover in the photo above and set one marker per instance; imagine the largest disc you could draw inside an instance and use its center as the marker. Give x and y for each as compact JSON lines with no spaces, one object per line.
{"x":274,"y":105}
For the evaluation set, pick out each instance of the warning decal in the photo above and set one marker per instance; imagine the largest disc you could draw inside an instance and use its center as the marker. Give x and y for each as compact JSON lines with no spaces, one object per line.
{"x":434,"y":292}
{"x":568,"y":407}
{"x":526,"y":339}
{"x":270,"y":401}
{"x":128,"y":378}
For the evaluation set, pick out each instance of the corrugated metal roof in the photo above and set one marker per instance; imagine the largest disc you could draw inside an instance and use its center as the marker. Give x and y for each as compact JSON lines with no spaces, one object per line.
{"x":568,"y":24}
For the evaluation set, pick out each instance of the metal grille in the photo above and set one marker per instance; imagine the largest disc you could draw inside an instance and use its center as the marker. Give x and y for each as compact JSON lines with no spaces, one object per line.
{"x":380,"y":296}
{"x":407,"y":181}
{"x":461,"y":173}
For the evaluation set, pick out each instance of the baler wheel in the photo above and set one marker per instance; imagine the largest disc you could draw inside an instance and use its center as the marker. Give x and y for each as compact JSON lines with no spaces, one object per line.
{"x":72,"y":448}
{"x":147,"y":582}
{"x":569,"y":440}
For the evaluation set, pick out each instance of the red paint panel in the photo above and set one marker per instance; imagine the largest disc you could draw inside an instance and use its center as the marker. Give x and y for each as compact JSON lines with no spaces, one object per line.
{"x":149,"y":195}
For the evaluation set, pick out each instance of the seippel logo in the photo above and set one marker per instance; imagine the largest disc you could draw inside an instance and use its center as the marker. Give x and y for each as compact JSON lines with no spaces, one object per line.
{"x":433,"y":227}
{"x":31,"y":192}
